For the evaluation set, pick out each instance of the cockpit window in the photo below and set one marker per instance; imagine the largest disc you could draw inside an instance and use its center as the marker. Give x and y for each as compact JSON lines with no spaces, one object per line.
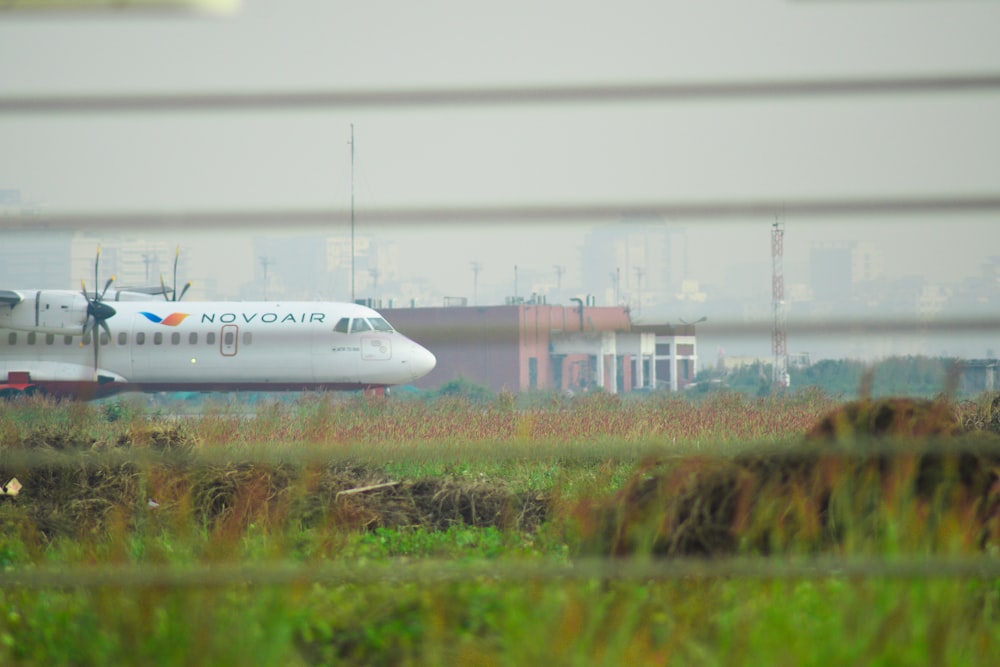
{"x":360,"y":324}
{"x":379,"y":324}
{"x":343,"y":325}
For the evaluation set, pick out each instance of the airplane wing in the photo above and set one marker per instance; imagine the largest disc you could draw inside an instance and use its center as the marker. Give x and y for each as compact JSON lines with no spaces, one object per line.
{"x":144,"y":290}
{"x":138,"y":293}
{"x":10,"y":297}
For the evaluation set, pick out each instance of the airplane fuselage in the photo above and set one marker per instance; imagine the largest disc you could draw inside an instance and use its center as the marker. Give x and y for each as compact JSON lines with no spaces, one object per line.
{"x":200,"y":346}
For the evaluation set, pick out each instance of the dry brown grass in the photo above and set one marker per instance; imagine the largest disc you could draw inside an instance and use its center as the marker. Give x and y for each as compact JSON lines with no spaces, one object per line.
{"x":904,"y":470}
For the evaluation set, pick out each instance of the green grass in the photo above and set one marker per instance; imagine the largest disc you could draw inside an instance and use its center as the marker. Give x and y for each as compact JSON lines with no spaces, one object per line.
{"x":480,"y":621}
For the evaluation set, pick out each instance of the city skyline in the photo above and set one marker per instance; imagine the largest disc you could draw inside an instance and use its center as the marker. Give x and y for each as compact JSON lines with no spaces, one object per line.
{"x":292,"y":266}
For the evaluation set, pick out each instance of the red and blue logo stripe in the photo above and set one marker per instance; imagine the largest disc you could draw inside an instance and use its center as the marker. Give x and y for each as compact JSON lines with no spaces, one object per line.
{"x":171,"y":320}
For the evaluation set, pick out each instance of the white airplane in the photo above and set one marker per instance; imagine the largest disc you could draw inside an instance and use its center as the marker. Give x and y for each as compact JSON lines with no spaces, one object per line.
{"x":73,"y":344}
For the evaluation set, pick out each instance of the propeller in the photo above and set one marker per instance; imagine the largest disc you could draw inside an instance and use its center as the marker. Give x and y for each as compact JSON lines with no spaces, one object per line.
{"x":163,"y":285}
{"x":98,"y":312}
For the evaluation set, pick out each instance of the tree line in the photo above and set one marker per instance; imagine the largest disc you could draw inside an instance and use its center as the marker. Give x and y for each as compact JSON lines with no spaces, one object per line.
{"x":893,"y":376}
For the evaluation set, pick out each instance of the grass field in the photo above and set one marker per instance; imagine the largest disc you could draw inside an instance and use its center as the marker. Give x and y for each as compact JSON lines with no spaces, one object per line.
{"x":587,"y":531}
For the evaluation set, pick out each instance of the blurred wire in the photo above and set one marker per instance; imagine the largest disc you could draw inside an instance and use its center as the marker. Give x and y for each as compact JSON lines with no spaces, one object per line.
{"x":514,"y":213}
{"x":91,"y":7}
{"x":495,"y":96}
{"x":441,"y":571}
{"x":15,"y":459}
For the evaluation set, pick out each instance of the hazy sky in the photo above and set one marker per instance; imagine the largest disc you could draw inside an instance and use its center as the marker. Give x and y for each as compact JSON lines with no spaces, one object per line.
{"x":889,"y":145}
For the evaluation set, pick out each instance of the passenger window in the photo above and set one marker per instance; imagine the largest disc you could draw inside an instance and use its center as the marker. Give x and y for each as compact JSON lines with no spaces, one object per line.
{"x":380,"y":325}
{"x":49,"y":339}
{"x":343,"y":326}
{"x":175,"y":338}
{"x":12,"y":338}
{"x":210,"y":338}
{"x":140,"y":338}
{"x":122,"y":338}
{"x":67,"y":340}
{"x":104,"y":338}
{"x":32,"y":338}
{"x":247,"y":337}
{"x":158,"y":338}
{"x":193,"y":338}
{"x":360,"y":325}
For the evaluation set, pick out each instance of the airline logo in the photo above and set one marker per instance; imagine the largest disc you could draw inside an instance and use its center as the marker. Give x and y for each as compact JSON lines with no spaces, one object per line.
{"x":171,"y":320}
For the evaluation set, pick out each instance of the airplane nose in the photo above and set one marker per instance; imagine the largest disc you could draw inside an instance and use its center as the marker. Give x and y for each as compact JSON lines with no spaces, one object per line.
{"x":421,"y":361}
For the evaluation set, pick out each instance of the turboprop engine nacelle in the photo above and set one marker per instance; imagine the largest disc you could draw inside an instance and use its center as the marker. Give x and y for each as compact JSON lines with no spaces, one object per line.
{"x":60,"y":312}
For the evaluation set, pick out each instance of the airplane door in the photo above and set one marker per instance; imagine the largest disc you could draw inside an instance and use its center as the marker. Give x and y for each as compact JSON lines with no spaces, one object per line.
{"x":229,"y":340}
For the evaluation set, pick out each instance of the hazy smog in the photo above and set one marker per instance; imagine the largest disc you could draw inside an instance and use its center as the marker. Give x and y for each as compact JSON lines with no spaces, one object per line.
{"x":99,"y":168}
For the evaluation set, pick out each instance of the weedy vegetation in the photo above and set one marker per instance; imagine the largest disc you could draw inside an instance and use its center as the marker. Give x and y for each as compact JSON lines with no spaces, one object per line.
{"x":590,"y":530}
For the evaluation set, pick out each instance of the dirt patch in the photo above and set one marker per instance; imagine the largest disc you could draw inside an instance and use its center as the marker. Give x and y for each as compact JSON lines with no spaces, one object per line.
{"x":895,"y":469}
{"x":93,"y":488}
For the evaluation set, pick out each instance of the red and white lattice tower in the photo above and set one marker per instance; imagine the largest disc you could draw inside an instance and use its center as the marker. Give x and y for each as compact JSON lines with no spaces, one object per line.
{"x":779,"y":333}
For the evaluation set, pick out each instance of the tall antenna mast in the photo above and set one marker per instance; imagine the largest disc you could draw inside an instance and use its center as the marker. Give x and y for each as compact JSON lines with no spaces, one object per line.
{"x":352,"y":212}
{"x":476,"y":268}
{"x":264,"y":263}
{"x":779,"y":333}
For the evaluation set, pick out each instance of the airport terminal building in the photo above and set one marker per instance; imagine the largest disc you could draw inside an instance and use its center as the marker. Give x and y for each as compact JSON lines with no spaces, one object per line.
{"x":570,"y":348}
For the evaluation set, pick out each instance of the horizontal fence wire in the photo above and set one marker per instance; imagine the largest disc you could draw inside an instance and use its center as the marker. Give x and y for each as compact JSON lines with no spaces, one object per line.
{"x":798,"y":327}
{"x":429,"y":572}
{"x":548,"y":94}
{"x":336,"y":452}
{"x":707,"y":210}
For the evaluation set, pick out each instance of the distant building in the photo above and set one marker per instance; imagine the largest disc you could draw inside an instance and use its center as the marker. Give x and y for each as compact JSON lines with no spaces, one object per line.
{"x":639,"y":261}
{"x":830,"y":271}
{"x":550,"y":347}
{"x":29,"y":257}
{"x":32,"y":260}
{"x":836,"y":268}
{"x":979,"y":375}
